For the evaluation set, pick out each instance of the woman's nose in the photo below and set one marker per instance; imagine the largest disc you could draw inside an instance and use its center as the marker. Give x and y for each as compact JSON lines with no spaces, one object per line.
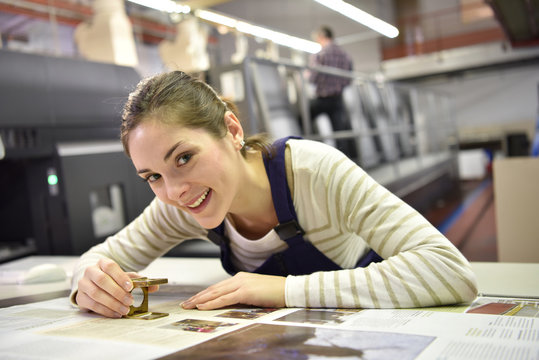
{"x":176,"y":189}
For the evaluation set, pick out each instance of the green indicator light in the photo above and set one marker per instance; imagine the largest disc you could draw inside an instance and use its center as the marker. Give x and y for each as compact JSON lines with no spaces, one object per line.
{"x":52,"y":179}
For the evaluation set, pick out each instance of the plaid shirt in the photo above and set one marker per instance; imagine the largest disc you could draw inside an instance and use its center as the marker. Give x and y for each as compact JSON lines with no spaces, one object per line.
{"x":330,"y":85}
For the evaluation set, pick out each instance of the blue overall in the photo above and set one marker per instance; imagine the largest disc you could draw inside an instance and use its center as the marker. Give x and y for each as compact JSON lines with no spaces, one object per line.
{"x":301,"y":257}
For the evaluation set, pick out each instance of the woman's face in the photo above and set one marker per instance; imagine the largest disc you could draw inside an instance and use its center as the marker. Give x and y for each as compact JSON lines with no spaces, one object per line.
{"x":189,"y":168}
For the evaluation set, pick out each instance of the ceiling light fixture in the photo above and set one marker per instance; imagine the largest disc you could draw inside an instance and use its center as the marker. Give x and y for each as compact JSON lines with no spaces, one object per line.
{"x":260,"y":32}
{"x":241,"y":26}
{"x":216,"y":18}
{"x":164,"y":5}
{"x":361,"y":17}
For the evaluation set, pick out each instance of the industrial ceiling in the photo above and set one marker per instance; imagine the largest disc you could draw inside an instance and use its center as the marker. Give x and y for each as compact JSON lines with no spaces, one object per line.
{"x":519,"y":20}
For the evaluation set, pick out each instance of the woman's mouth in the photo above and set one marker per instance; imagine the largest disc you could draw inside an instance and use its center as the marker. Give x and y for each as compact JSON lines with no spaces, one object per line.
{"x":199,"y":204}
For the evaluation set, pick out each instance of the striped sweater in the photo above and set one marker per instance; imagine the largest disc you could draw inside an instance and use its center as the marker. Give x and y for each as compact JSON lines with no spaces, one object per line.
{"x":344,"y":213}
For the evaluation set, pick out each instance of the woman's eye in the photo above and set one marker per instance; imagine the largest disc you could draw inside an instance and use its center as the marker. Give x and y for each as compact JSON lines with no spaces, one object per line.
{"x":152,"y":178}
{"x":183,"y":159}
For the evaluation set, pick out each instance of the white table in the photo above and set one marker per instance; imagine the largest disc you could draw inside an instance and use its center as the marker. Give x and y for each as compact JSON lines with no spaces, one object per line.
{"x":500,"y":279}
{"x":507,"y":279}
{"x":180,"y":271}
{"x":27,"y":329}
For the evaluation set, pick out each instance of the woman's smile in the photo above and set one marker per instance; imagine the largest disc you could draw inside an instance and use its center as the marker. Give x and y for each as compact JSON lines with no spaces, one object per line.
{"x":200,"y":204}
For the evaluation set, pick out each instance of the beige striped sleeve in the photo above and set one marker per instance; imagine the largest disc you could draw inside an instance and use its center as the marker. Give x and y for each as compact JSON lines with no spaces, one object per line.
{"x":350,"y":213}
{"x":158,"y":229}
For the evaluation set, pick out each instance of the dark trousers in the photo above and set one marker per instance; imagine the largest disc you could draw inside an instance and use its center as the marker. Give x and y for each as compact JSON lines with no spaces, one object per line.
{"x":333,"y":106}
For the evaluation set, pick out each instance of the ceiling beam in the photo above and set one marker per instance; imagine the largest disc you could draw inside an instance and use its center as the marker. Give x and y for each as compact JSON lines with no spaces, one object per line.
{"x":71,"y":14}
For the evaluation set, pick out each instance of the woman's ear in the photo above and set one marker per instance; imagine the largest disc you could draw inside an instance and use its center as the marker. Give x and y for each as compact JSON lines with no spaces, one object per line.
{"x":234,"y":129}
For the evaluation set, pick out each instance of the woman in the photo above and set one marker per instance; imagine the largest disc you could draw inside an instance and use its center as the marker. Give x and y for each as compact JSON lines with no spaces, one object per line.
{"x":299,"y":224}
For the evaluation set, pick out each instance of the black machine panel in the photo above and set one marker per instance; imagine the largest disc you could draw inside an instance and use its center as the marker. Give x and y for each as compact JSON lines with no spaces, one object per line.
{"x":63,"y":203}
{"x":45,"y":100}
{"x":24,"y":93}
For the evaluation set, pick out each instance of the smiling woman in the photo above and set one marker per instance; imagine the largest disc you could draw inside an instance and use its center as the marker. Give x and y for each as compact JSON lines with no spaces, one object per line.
{"x":298,"y":223}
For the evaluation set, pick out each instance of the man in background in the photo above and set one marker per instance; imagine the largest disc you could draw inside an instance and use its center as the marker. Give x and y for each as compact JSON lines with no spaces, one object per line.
{"x":329,"y":88}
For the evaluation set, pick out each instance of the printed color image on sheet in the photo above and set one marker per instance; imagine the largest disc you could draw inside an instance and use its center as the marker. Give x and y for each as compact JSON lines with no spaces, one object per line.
{"x":246,"y":313}
{"x":318,"y":316}
{"x":265,"y":341}
{"x":507,"y":307}
{"x":196,"y":325}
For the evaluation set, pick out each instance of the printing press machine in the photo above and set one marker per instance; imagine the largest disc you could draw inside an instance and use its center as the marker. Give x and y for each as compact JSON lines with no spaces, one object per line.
{"x":65,"y":181}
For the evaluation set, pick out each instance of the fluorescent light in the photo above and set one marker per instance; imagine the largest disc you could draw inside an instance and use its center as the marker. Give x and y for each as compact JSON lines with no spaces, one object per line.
{"x":241,"y":26}
{"x":278,"y":37}
{"x":216,"y":18}
{"x":164,"y":5}
{"x":261,"y":32}
{"x":361,"y":17}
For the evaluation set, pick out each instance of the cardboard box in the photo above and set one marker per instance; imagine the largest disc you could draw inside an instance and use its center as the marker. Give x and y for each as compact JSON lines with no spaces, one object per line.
{"x":516,"y":195}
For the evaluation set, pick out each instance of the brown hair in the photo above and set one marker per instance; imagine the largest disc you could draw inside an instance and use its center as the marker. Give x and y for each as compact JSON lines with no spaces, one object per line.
{"x":178,"y":98}
{"x":326,"y":32}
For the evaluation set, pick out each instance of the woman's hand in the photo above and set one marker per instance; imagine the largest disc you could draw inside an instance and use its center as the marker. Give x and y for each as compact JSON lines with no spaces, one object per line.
{"x":106,"y":289}
{"x":242,"y":288}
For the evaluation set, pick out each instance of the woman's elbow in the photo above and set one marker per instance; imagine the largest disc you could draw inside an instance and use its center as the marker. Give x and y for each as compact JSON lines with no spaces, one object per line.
{"x":469,"y":287}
